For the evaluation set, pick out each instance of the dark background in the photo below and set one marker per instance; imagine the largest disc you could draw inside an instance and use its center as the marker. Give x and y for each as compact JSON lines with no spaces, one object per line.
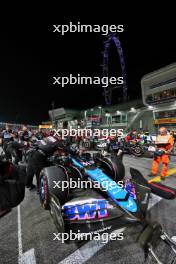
{"x":31,"y":54}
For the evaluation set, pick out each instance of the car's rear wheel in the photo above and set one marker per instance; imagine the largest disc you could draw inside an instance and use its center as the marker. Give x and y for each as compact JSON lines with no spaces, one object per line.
{"x":137,"y":151}
{"x":112,"y":166}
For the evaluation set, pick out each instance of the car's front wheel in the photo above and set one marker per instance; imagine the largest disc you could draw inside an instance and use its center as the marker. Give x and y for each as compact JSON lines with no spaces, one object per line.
{"x":51,"y":183}
{"x":56,"y":213}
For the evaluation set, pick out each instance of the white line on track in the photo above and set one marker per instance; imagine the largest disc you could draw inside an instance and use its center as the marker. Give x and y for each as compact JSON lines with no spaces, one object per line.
{"x":88,"y":250}
{"x":153,"y":200}
{"x":20,"y":247}
{"x":29,"y":256}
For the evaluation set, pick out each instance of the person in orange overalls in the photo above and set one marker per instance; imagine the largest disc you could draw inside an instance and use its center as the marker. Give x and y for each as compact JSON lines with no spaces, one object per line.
{"x":164,"y":143}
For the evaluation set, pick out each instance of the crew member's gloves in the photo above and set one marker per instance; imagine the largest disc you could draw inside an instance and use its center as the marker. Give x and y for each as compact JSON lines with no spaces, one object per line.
{"x":159,"y":152}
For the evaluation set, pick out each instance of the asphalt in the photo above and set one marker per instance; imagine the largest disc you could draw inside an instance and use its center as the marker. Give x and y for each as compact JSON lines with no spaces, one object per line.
{"x":26,"y":233}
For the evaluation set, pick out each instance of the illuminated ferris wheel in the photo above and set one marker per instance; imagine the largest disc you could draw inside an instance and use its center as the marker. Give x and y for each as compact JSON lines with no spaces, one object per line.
{"x":107,"y":91}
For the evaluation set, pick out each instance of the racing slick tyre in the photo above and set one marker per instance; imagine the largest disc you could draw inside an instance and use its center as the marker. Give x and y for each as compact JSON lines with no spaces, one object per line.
{"x":113,"y":167}
{"x":137,"y":151}
{"x":56,"y":213}
{"x":48,"y":178}
{"x":86,"y":145}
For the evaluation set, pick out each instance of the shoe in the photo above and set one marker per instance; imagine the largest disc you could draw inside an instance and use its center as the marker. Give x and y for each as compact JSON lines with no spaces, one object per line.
{"x":152,"y":175}
{"x":32,"y":187}
{"x":162,"y":178}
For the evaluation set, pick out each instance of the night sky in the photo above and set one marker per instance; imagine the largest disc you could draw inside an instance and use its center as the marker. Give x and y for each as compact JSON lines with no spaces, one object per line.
{"x":31,"y":54}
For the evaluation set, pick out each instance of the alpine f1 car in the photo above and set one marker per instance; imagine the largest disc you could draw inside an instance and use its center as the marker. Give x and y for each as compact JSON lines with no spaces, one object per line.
{"x":106,"y":207}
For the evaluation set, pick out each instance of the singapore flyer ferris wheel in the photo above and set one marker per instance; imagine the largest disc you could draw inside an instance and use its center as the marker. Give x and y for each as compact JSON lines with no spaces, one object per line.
{"x":107,"y":91}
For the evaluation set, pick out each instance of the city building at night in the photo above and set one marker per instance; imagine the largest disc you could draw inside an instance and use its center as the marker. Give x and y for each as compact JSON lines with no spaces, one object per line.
{"x":159,"y":94}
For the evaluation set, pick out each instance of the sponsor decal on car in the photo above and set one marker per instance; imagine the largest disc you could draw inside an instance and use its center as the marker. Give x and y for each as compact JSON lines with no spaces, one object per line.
{"x":89,"y":209}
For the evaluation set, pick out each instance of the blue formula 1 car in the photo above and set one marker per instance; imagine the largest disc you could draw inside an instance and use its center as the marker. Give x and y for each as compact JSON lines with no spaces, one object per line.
{"x":100,"y":200}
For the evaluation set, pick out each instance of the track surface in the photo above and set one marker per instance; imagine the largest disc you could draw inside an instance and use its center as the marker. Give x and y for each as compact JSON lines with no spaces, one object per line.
{"x":26,"y":233}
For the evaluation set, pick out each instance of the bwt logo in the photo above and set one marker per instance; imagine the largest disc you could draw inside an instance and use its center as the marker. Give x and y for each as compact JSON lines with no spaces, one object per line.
{"x":97,"y":208}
